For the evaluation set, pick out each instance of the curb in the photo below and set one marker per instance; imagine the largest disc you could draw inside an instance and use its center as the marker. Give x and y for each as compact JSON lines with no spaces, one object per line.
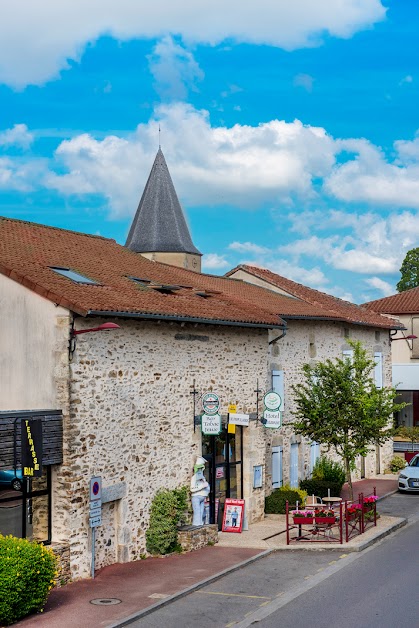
{"x":321,"y":547}
{"x":194,"y":587}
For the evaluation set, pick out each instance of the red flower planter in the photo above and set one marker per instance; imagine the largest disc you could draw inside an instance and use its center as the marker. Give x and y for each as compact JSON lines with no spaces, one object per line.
{"x":303,"y":520}
{"x":325,"y":519}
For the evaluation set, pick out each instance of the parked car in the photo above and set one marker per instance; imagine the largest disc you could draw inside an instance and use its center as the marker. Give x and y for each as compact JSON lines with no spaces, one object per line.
{"x":409,"y":477}
{"x":10,"y":479}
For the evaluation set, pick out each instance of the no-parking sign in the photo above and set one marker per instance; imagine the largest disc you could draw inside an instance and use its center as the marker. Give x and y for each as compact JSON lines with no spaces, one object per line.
{"x":95,"y":488}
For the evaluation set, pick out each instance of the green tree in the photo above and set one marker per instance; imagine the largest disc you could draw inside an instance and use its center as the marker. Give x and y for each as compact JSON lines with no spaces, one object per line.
{"x":340,"y":406}
{"x":409,"y":271}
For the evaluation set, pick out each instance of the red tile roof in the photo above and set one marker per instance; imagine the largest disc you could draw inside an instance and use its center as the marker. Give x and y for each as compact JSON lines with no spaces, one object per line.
{"x":28,"y":251}
{"x":406,"y":302}
{"x":325,"y":305}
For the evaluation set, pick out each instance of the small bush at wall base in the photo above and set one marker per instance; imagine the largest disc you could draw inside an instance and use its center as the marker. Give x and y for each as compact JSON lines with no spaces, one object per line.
{"x":330,"y":470}
{"x":397,"y":464}
{"x":275,"y":503}
{"x":27,"y":572}
{"x":167,"y":509}
{"x":320,"y":488}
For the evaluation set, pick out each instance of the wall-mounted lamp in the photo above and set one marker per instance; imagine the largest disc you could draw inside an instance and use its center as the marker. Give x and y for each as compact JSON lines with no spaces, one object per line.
{"x":77,"y":332}
{"x":411,"y":337}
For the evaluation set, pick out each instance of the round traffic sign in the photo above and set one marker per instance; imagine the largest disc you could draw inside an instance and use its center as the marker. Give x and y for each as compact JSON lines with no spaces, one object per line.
{"x":95,"y":488}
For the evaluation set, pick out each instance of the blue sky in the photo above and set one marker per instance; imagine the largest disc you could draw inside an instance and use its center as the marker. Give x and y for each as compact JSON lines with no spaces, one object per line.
{"x":290,"y":129}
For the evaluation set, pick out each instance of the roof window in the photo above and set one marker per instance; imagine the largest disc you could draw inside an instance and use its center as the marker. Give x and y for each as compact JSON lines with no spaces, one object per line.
{"x":71,"y":274}
{"x":139,"y":280}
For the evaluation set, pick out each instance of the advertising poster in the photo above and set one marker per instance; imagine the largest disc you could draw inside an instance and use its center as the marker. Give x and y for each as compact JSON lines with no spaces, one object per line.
{"x":233,"y":515}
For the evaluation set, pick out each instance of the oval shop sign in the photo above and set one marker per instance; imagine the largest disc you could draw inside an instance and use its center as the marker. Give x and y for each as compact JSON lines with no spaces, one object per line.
{"x":210,"y":403}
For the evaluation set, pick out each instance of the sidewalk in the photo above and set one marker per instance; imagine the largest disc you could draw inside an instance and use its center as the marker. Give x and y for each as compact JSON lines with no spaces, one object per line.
{"x":144,"y":583}
{"x":138,"y":585}
{"x":383,"y":487}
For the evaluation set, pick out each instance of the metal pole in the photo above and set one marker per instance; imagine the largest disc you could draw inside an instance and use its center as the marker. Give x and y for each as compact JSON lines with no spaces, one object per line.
{"x":93,"y":551}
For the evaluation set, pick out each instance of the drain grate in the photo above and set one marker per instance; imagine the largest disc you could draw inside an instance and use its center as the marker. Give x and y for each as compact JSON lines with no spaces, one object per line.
{"x":105,"y":601}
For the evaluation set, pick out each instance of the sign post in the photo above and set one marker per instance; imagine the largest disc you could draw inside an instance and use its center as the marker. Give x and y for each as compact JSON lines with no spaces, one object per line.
{"x":95,"y":512}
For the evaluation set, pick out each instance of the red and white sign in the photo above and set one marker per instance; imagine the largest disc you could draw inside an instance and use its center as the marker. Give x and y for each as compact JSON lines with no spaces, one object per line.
{"x":233,"y":515}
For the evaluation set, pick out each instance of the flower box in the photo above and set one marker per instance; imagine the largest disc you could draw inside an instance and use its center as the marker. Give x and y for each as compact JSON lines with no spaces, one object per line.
{"x":303,"y":520}
{"x":328,"y":520}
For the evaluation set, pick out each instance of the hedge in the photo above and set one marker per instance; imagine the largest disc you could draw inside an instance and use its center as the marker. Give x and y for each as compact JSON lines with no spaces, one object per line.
{"x":27,"y":572}
{"x":320,"y":488}
{"x":275,"y":503}
{"x":167,"y":509}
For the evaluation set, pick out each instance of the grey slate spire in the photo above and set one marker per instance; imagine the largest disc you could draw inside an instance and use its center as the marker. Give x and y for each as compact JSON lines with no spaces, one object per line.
{"x":159,"y":223}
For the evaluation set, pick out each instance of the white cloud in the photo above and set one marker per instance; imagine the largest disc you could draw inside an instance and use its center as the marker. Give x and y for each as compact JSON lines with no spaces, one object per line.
{"x":383,"y":286}
{"x":21,"y":175}
{"x":369,"y":177}
{"x":305,"y":81}
{"x":174,"y":69}
{"x":241,"y":165}
{"x":36,"y":47}
{"x":213,"y":261}
{"x":16,"y":136}
{"x":248,"y":247}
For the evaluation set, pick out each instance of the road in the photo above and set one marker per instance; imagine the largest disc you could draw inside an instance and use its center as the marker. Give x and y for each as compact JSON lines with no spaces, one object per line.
{"x":376,"y":588}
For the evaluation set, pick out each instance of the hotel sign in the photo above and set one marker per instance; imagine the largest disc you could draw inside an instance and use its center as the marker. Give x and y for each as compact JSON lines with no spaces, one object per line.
{"x":32,"y":450}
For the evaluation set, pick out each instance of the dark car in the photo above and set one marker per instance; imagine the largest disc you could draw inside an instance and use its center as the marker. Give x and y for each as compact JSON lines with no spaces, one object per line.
{"x":10,"y":479}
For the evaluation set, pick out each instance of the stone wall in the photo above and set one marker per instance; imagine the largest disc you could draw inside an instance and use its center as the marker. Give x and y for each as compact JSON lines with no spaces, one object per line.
{"x":308,"y":342}
{"x":62,"y":551}
{"x":131,"y":421}
{"x":193,"y":538}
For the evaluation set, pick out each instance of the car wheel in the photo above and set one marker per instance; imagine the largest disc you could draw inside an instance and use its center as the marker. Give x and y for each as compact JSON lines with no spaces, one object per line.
{"x":17,"y":485}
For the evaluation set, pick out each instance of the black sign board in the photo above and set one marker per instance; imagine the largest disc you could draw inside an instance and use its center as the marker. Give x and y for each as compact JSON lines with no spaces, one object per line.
{"x":31,"y":447}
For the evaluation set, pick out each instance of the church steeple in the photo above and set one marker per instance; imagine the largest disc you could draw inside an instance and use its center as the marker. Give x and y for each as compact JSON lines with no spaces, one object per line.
{"x":159,"y":230}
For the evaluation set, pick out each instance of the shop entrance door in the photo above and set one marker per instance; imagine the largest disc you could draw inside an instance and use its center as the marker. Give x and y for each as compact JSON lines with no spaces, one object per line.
{"x":223,"y":471}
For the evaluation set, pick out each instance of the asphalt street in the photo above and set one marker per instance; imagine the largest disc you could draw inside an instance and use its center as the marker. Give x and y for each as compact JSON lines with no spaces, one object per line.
{"x":374,"y":588}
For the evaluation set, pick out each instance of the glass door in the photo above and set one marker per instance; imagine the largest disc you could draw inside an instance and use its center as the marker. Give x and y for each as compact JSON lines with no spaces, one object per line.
{"x":224,"y":469}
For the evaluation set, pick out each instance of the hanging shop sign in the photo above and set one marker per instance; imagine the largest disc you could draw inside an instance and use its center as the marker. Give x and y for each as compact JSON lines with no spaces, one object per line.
{"x":238,"y":419}
{"x":272,"y":400}
{"x":210,"y":403}
{"x":272,"y":419}
{"x":32,"y":449}
{"x":211,"y":424}
{"x":233,"y":515}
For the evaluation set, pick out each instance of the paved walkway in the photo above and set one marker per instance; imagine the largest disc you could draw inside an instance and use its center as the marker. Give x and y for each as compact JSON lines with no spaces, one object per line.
{"x":383,"y":486}
{"x":143,"y":583}
{"x":138,"y":584}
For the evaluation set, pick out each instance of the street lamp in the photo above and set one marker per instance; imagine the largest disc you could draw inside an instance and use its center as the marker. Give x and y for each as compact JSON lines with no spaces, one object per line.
{"x":76,"y":332}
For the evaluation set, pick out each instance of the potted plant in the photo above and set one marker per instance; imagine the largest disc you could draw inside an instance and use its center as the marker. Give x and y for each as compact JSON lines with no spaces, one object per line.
{"x":369,"y":502}
{"x":302,"y":516}
{"x":324,"y":515}
{"x":353,"y":512}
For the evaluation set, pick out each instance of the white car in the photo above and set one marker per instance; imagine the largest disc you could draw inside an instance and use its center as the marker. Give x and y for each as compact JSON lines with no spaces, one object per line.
{"x":409,"y":477}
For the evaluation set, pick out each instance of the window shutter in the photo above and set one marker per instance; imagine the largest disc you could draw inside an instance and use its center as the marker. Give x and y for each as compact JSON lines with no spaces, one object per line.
{"x":348,"y":354}
{"x":378,"y":371}
{"x":278,"y":386}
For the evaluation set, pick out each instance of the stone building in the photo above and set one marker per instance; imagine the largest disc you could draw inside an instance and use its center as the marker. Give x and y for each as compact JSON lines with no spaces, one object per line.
{"x":130,"y":397}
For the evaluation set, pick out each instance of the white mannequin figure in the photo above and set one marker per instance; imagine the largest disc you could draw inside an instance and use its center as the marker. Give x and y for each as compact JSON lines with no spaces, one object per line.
{"x":200,"y":489}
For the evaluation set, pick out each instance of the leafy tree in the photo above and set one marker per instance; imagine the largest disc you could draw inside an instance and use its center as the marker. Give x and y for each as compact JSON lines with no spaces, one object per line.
{"x":410,"y":433}
{"x":409,"y":271}
{"x":340,"y":406}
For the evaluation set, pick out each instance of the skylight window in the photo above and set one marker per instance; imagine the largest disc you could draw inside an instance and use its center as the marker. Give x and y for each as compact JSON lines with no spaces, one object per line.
{"x":138,"y":280}
{"x":71,"y":274}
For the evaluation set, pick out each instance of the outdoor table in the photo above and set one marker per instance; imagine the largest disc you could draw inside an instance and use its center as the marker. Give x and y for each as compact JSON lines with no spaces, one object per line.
{"x":332,"y":500}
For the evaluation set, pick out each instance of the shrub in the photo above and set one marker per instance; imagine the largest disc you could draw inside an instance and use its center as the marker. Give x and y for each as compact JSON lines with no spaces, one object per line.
{"x":27,"y":572}
{"x":320,"y":488}
{"x":397,"y":464}
{"x":167,"y":509}
{"x":326,"y":469}
{"x":275,"y":503}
